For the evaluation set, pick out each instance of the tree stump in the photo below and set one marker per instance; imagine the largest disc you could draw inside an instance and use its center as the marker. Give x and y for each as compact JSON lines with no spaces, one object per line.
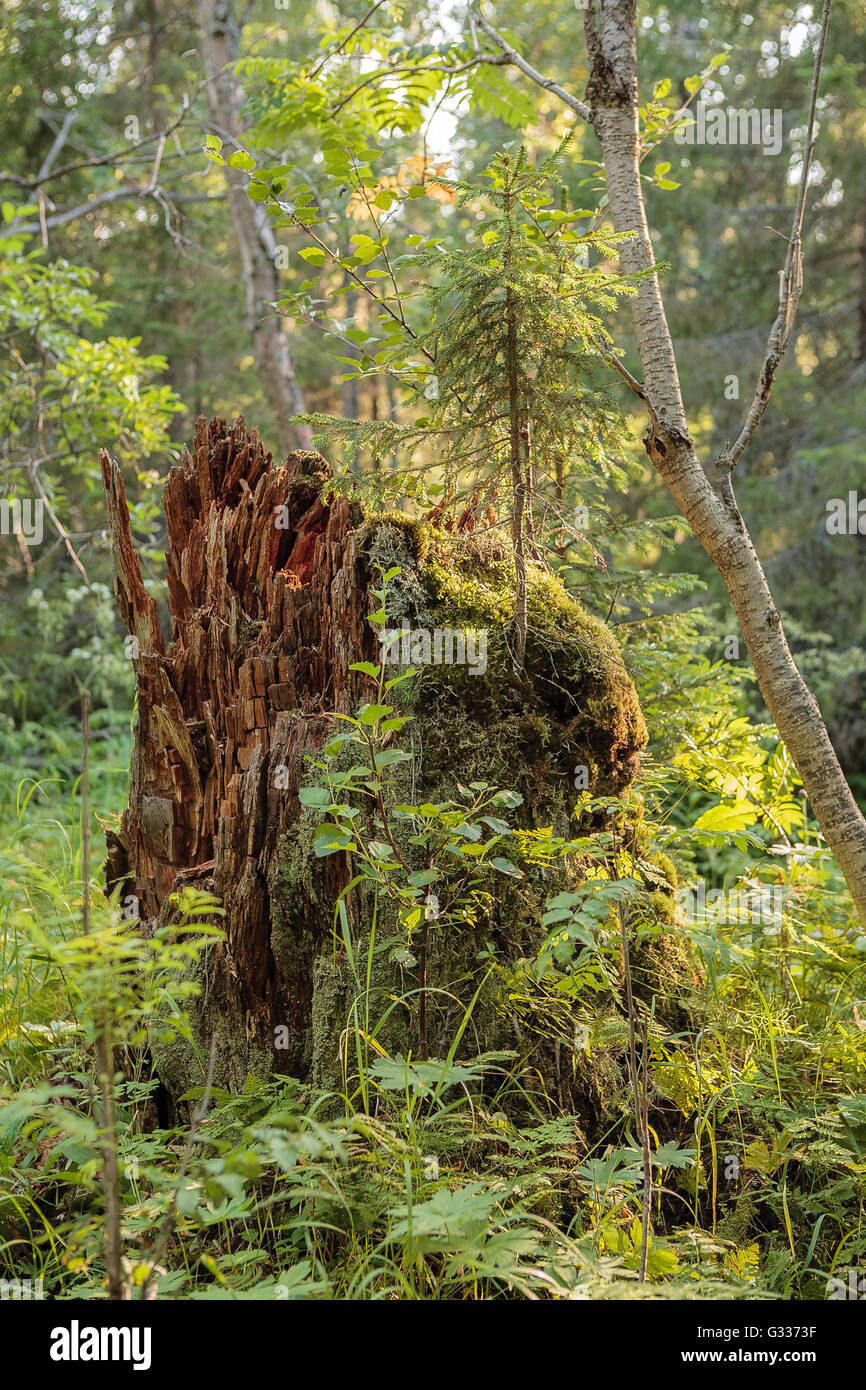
{"x":269,"y":594}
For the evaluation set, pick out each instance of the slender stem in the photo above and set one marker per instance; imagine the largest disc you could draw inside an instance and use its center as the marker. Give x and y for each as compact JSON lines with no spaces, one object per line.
{"x":104,"y":1052}
{"x":422,"y":998}
{"x":790,"y":278}
{"x":639,"y":1088}
{"x":515,"y":429}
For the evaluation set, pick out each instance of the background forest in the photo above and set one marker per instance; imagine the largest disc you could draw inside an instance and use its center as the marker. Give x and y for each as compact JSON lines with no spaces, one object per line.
{"x":337,"y":168}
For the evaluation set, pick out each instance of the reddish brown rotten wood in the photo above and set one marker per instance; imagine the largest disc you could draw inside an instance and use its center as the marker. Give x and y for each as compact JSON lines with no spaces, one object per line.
{"x":265,"y":621}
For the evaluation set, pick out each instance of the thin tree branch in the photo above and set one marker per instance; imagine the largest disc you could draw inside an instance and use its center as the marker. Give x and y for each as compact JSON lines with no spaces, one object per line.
{"x":113,"y":157}
{"x":33,"y":474}
{"x":631,"y":381}
{"x":790,"y":281}
{"x":333,"y":52}
{"x":57,"y":145}
{"x":512,"y":57}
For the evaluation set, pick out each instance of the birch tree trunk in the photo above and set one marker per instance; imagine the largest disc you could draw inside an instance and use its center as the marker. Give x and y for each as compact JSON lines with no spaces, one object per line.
{"x":220,"y":49}
{"x":711,"y":511}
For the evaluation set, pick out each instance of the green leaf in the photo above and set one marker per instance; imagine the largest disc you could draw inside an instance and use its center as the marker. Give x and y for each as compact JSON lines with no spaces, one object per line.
{"x":371,"y":713}
{"x":390,"y":756}
{"x":736,"y":815}
{"x":501,"y":827}
{"x":670,"y":1155}
{"x":508,"y":799}
{"x":312,"y":255}
{"x":314,"y":796}
{"x":421,"y":877}
{"x":329,"y":839}
{"x":467,"y":831}
{"x":505,"y":866}
{"x":334,"y":745}
{"x":367,"y":668}
{"x":241,"y":159}
{"x":661,"y":89}
{"x":397,"y":723}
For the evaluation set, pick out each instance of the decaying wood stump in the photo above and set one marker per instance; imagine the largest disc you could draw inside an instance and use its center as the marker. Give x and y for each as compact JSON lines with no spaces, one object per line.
{"x":266,"y":620}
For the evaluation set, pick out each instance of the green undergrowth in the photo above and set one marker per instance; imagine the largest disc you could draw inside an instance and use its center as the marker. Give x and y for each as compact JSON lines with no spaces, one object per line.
{"x":497,"y":1162}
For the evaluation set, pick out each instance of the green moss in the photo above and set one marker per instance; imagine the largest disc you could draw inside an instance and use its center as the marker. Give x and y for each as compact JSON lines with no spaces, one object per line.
{"x":574,"y":705}
{"x":309,"y":463}
{"x":664,"y":968}
{"x":538,"y":1194}
{"x":333,"y":993}
{"x":414,"y":534}
{"x":664,"y":906}
{"x":666,"y":866}
{"x":740,"y":1220}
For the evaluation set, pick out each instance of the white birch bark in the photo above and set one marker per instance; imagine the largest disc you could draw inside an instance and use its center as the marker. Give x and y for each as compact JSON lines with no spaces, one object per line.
{"x":611,"y":107}
{"x":712,"y":514}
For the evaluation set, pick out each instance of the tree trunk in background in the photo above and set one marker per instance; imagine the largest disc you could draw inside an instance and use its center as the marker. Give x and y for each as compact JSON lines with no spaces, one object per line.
{"x":266,"y":621}
{"x":713,"y":516}
{"x":220,"y":48}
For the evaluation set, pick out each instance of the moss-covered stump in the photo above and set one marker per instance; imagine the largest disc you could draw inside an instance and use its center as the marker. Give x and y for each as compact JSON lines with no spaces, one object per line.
{"x":269,"y":592}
